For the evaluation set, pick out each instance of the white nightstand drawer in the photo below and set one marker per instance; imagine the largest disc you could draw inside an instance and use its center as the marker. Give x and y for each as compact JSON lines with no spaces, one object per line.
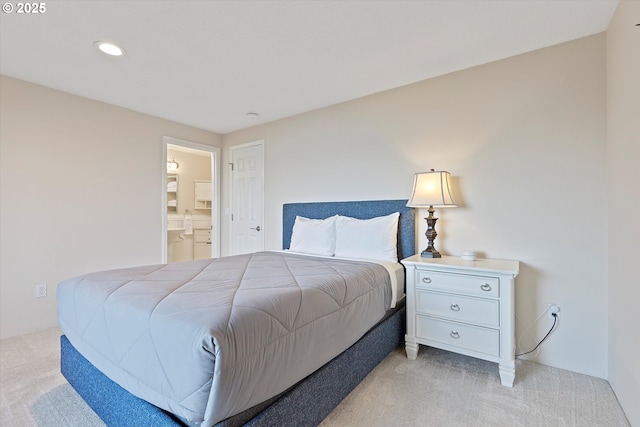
{"x":467,"y":284}
{"x":480,"y":311}
{"x":474,"y":338}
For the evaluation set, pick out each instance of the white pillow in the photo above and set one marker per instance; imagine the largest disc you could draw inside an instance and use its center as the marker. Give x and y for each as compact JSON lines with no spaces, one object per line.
{"x":314,"y":236}
{"x":375,"y":238}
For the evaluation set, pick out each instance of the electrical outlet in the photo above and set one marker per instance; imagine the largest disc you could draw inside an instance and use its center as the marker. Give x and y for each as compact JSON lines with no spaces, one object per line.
{"x":41,"y":290}
{"x":553,"y":309}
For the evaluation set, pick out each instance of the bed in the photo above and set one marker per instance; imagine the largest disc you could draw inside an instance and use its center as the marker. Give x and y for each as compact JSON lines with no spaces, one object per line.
{"x":307,"y":400}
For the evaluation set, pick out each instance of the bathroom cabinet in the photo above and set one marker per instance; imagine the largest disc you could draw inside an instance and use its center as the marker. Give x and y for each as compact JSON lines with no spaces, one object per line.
{"x":201,"y":243}
{"x":202,"y":195}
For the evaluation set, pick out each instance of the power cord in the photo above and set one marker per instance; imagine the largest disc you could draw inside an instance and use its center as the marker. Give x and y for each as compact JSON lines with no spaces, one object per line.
{"x":555,"y":320}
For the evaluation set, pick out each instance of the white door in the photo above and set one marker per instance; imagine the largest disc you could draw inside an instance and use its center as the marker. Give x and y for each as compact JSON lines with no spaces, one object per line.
{"x":247,"y":195}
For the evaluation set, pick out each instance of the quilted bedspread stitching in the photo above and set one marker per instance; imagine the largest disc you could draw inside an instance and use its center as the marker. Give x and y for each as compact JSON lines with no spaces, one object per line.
{"x":102,"y":312}
{"x":151,"y":314}
{"x":298,"y":327}
{"x":182,"y":283}
{"x":244,"y":272}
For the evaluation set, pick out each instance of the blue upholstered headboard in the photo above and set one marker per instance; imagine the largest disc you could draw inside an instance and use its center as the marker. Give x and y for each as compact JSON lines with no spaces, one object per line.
{"x":361,"y":210}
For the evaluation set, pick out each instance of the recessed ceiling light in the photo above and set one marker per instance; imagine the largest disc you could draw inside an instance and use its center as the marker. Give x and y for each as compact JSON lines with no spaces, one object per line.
{"x":252,"y":116}
{"x":109,"y":48}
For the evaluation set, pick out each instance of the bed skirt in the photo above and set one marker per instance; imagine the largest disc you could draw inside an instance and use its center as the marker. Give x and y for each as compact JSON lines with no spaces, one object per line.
{"x":305,"y":404}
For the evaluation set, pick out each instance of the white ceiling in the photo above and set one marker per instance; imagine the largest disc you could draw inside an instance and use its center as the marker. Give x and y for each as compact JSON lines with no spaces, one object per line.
{"x":208,"y":63}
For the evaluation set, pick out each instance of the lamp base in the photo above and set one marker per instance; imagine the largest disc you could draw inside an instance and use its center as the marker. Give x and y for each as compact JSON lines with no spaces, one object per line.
{"x":430,"y":254}
{"x":431,"y":234}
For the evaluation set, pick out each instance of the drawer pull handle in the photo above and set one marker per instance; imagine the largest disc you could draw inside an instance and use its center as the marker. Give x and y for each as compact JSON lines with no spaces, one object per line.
{"x":426,"y":279}
{"x":485,"y":287}
{"x":454,"y":307}
{"x":454,"y":334}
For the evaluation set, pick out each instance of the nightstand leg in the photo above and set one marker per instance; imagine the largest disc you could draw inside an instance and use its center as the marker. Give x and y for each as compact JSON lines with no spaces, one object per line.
{"x":507,"y":373}
{"x":411,"y":347}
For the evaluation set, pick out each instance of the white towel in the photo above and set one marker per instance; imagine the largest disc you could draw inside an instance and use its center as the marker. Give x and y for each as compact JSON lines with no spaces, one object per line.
{"x":172,"y":203}
{"x":188,"y":225}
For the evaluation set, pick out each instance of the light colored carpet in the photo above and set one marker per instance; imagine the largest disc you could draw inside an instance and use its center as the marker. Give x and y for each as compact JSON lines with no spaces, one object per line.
{"x":447,"y":389}
{"x":437,"y":389}
{"x":34,"y":392}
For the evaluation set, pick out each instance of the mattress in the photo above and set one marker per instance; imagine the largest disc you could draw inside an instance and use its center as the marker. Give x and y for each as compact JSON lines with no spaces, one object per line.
{"x":210,"y":338}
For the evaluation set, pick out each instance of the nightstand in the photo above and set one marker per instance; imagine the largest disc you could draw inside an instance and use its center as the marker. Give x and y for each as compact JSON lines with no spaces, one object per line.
{"x":463,"y":306}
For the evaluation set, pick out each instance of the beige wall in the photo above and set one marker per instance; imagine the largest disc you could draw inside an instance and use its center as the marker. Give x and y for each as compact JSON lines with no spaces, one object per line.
{"x":623,"y":154}
{"x":80,"y":190}
{"x":524,"y":139}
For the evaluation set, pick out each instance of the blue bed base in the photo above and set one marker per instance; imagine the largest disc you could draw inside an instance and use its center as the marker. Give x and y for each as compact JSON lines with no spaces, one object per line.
{"x":305,"y":404}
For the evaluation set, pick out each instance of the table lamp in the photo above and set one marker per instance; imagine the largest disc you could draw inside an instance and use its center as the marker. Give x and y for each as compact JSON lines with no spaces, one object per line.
{"x":431,"y":189}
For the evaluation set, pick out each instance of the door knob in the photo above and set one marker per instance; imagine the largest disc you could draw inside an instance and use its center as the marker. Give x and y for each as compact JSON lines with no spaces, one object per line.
{"x":255,"y":228}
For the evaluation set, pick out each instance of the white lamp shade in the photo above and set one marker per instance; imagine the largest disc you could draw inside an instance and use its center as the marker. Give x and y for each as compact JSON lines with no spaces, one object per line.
{"x":431,"y":189}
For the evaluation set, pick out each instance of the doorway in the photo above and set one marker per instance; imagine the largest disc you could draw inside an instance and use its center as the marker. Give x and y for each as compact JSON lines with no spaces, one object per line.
{"x":190,"y":200}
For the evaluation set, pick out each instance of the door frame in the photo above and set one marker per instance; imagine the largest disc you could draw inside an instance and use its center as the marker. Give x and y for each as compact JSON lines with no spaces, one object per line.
{"x":232,"y":149}
{"x":215,"y":190}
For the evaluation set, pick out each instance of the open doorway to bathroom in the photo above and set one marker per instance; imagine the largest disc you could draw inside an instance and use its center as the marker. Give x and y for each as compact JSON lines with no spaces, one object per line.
{"x":190,"y":200}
